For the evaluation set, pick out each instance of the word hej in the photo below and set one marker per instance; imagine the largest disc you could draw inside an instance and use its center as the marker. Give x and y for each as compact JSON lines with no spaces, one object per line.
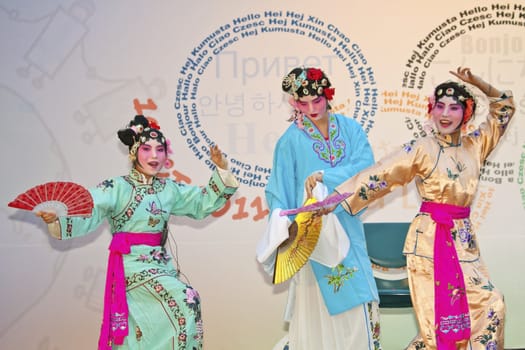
{"x":453,"y":28}
{"x":403,"y":99}
{"x":277,"y":22}
{"x":406,"y":102}
{"x":215,"y":50}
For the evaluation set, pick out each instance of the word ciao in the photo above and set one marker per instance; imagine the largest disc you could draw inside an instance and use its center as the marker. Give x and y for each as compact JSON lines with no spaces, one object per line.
{"x":215,"y":52}
{"x":451,"y":29}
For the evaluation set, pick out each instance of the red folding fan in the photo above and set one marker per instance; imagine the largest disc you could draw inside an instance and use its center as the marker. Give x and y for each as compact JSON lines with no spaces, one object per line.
{"x":63,"y":198}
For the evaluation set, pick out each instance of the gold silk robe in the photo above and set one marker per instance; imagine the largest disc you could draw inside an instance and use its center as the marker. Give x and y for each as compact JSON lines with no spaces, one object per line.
{"x":443,"y":173}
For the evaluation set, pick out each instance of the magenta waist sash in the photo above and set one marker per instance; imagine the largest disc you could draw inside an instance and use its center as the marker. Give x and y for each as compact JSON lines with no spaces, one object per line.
{"x":115,"y":318}
{"x":452,"y":318}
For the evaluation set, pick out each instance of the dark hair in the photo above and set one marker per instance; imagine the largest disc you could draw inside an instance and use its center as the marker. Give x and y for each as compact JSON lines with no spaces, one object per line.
{"x":140,"y":130}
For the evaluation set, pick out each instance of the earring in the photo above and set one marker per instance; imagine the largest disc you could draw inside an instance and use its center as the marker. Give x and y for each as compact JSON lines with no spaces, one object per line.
{"x":297,"y":117}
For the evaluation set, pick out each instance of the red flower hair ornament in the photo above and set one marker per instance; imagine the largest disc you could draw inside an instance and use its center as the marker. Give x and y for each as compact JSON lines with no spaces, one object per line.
{"x":329,"y":93}
{"x":153,"y":123}
{"x":469,"y":110}
{"x":430,"y":106}
{"x":314,"y":74}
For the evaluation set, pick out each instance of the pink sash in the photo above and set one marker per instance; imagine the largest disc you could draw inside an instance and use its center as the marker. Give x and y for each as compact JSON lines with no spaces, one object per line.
{"x":115,"y":319}
{"x":452,"y":318}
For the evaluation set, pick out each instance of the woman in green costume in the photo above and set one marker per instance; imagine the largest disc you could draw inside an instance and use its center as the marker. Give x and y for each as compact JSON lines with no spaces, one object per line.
{"x":146,"y":305}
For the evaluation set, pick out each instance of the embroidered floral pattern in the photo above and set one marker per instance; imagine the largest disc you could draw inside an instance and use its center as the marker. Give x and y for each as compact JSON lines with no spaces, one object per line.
{"x":465,"y":235}
{"x":138,"y":194}
{"x":374,"y":325}
{"x":192,"y":301}
{"x":409,"y":146}
{"x":156,"y":255}
{"x":340,"y":274}
{"x":104,"y":185}
{"x":214,"y":187}
{"x":475,"y":133}
{"x":331,"y":151}
{"x":487,"y":338}
{"x":138,"y":278}
{"x":489,"y":286}
{"x":69,"y":226}
{"x":375,"y":184}
{"x":419,"y":345}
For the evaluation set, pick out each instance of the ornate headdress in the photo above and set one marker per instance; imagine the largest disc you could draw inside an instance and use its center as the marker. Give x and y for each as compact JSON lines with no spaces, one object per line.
{"x":307,"y":82}
{"x":458,"y":92}
{"x":139,"y":131}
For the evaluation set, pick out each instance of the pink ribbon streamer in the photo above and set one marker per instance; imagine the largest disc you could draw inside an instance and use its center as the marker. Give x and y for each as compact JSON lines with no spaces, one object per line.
{"x":452,"y":318}
{"x":115,"y":318}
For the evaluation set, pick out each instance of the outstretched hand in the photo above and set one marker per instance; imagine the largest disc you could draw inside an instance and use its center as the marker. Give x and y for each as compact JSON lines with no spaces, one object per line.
{"x":48,"y":216}
{"x":217,"y":157}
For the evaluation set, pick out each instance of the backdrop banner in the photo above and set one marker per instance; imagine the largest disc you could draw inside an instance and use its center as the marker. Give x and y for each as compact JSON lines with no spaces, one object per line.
{"x":75,"y":71}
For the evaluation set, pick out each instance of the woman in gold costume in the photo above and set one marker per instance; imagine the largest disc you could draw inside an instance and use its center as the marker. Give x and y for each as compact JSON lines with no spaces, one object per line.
{"x":456,"y":304}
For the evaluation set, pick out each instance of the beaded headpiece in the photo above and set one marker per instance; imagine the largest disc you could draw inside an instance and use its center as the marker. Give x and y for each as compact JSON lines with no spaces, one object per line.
{"x":302,"y":82}
{"x":139,"y":131}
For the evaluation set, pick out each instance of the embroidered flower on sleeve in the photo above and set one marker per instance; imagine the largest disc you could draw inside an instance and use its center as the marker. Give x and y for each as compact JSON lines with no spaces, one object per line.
{"x":408,"y":147}
{"x":192,"y":296}
{"x":192,"y":300}
{"x":375,"y":184}
{"x":475,"y":133}
{"x":104,"y":185}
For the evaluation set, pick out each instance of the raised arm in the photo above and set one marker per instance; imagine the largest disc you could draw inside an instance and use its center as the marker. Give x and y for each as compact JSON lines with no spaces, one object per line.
{"x":466,"y":75}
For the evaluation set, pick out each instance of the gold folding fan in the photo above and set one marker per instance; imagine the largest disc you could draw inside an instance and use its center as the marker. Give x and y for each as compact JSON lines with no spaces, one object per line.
{"x":293,"y":253}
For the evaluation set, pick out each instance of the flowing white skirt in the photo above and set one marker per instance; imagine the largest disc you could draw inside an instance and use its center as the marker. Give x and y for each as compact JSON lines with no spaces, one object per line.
{"x":312,"y":327}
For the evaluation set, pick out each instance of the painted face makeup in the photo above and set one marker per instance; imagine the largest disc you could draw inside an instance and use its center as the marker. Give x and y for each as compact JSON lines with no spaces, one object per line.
{"x":447,"y":115}
{"x":151,"y":157}
{"x":314,"y":107}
